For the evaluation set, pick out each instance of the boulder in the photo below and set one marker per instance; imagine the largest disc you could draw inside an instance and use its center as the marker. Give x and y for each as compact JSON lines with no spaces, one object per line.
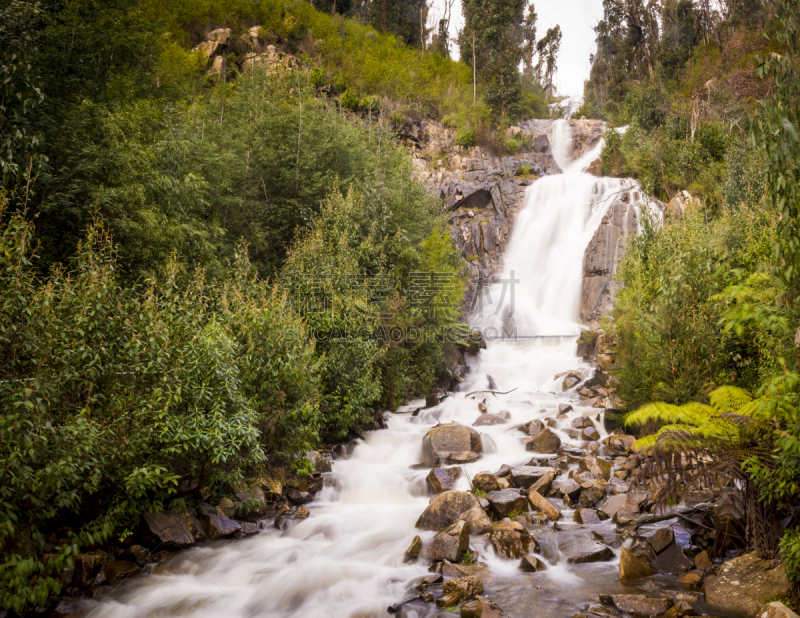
{"x":663,"y":538}
{"x":253,"y":500}
{"x":449,"y":544}
{"x":531,"y":564}
{"x":532,"y":428}
{"x":620,"y":443}
{"x":511,"y":540}
{"x":679,"y":204}
{"x":679,"y":610}
{"x":173,"y":529}
{"x":451,"y":444}
{"x":568,"y":488}
{"x":319,"y":462}
{"x":590,"y":434}
{"x":703,"y":562}
{"x":639,"y":605}
{"x":541,"y":503}
{"x":458,"y":590}
{"x":506,"y":501}
{"x":89,"y":568}
{"x":776,"y":609}
{"x":632,"y":567}
{"x":586,"y":516}
{"x":614,"y":504}
{"x":525,"y":476}
{"x":216,"y":524}
{"x":598,"y":468}
{"x":591,"y":496}
{"x":587,"y":550}
{"x":479,"y":522}
{"x":564,"y":408}
{"x":412,"y":553}
{"x":486,"y":420}
{"x":485,"y":482}
{"x":541,"y":143}
{"x":742,"y":583}
{"x":220,"y":35}
{"x":582,"y":422}
{"x":117,"y":570}
{"x":444,"y":509}
{"x":672,"y":560}
{"x":543,"y":484}
{"x":545,"y":442}
{"x":442,"y":479}
{"x":691,"y":579}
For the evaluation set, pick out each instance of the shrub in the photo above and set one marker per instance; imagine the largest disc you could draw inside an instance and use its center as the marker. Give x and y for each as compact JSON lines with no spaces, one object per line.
{"x":349,"y":100}
{"x":318,"y":77}
{"x":465,"y":137}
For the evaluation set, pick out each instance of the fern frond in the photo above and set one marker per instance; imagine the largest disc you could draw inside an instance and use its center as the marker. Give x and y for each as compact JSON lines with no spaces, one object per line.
{"x":756,"y":409}
{"x":729,"y":398}
{"x":642,"y":444}
{"x":719,"y":428}
{"x":692,"y":413}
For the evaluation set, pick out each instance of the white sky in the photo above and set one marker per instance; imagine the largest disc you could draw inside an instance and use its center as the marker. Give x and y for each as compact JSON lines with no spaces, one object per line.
{"x":577,"y":19}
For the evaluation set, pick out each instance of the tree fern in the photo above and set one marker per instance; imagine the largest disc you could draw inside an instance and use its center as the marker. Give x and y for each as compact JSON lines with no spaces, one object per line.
{"x":692,"y":413}
{"x":729,"y":399}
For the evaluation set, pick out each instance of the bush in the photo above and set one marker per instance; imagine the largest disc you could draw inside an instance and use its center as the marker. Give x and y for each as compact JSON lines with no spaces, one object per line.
{"x":465,"y":137}
{"x":349,"y":100}
{"x":318,"y":77}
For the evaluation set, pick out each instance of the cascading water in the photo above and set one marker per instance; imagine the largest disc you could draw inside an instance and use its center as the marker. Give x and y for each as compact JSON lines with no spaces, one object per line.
{"x":347,"y":558}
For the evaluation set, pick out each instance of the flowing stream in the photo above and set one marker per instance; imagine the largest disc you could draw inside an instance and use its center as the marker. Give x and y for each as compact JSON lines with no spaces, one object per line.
{"x":346,"y":559}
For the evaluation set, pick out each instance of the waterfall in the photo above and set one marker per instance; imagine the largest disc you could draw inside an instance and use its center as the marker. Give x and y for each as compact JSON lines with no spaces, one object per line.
{"x":346,"y":559}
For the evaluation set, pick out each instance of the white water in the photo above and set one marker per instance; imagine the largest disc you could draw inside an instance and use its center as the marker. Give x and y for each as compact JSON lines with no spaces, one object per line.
{"x":346,"y":559}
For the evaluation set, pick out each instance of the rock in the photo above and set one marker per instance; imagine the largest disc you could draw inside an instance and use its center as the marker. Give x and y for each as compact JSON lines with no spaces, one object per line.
{"x":118,"y":570}
{"x":572,"y":379}
{"x":320,"y":463}
{"x":431,"y":401}
{"x":679,"y":204}
{"x":539,"y":502}
{"x":541,"y":143}
{"x":227,"y":506}
{"x":173,"y":529}
{"x":511,"y":540}
{"x":485,"y":482}
{"x":672,"y":560}
{"x":595,"y":168}
{"x":216,"y":524}
{"x":614,"y":504}
{"x":690,"y":579}
{"x":591,"y":496}
{"x":590,"y":434}
{"x":525,"y":476}
{"x":591,"y":551}
{"x":249,"y":528}
{"x":586,"y":516}
{"x":545,"y":482}
{"x":445,"y":508}
{"x":632,"y":567}
{"x":442,"y":479}
{"x":301,"y":512}
{"x":88,"y":568}
{"x":67,"y":608}
{"x":679,"y":610}
{"x":568,"y":488}
{"x":220,"y":35}
{"x":740,"y":584}
{"x":619,"y":443}
{"x":703,"y":562}
{"x":451,"y":444}
{"x":458,"y":590}
{"x":543,"y":442}
{"x":486,"y":420}
{"x":253,"y":500}
{"x":643,"y":605}
{"x":412,"y":553}
{"x":663,"y":538}
{"x":296,"y":496}
{"x":531,"y":564}
{"x":507,"y":501}
{"x":477,"y":519}
{"x":449,"y":544}
{"x":532,"y":428}
{"x":582,"y":422}
{"x":776,"y":609}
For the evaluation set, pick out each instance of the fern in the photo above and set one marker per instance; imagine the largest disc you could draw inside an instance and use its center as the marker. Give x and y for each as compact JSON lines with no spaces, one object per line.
{"x":729,"y":399}
{"x":692,"y":413}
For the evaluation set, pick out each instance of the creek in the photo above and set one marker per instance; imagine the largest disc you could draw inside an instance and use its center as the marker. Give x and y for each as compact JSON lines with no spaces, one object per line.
{"x":347,"y":558}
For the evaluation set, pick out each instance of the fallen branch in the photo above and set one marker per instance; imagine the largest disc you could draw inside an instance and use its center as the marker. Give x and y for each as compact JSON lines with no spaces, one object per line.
{"x":492,"y":392}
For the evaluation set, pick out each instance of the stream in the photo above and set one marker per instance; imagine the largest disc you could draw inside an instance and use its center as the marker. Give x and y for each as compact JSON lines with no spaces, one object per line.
{"x":347,"y":558}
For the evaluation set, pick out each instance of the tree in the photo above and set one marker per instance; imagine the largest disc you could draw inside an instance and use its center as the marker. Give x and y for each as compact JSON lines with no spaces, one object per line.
{"x":404,"y":18}
{"x":530,"y":43}
{"x":497,"y":28}
{"x":547,"y":49}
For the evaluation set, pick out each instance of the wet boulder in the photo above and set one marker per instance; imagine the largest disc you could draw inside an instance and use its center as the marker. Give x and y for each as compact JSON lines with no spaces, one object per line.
{"x":591,"y":496}
{"x":412,"y":553}
{"x":511,"y":540}
{"x":507,"y":501}
{"x":566,"y":488}
{"x":445,"y":508}
{"x":582,"y":422}
{"x":487,"y":420}
{"x":525,"y":476}
{"x":597,"y":467}
{"x":543,"y":484}
{"x":620,"y":443}
{"x":531,"y":564}
{"x":172,"y":529}
{"x":540,"y":503}
{"x":638,"y":605}
{"x":582,"y":550}
{"x":458,"y":590}
{"x":449,"y":544}
{"x":632,"y":567}
{"x":216,"y":524}
{"x":319,"y":462}
{"x":740,"y":584}
{"x":485,"y":482}
{"x":532,"y":428}
{"x":545,"y":442}
{"x":253,"y":501}
{"x":776,"y":609}
{"x":479,"y":522}
{"x":451,"y":444}
{"x":442,"y":479}
{"x":672,"y":560}
{"x":590,"y":434}
{"x":117,"y":570}
{"x":586,"y":516}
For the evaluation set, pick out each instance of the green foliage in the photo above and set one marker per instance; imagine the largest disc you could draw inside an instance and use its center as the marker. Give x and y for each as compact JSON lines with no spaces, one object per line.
{"x":465,"y":137}
{"x":728,"y":399}
{"x":113,"y":395}
{"x":349,"y":100}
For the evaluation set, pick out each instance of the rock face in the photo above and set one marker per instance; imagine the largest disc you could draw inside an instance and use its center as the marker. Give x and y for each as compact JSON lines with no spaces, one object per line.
{"x":451,"y":444}
{"x":603,"y":254}
{"x":445,"y":508}
{"x":741,"y":583}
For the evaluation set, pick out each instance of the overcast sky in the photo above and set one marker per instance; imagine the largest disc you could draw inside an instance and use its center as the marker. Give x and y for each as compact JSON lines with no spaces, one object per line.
{"x":577,"y":19}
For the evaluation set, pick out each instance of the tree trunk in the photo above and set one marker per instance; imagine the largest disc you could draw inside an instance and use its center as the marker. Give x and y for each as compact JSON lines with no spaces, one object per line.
{"x":645,"y":52}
